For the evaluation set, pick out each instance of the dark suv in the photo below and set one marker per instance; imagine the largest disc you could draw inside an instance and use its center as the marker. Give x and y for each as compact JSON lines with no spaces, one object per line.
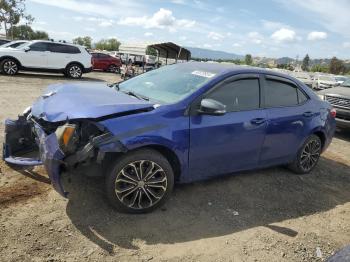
{"x":339,"y":97}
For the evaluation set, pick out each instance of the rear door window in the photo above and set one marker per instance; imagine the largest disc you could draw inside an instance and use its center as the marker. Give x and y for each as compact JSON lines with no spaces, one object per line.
{"x":39,"y":46}
{"x":60,"y":48}
{"x":279,"y":94}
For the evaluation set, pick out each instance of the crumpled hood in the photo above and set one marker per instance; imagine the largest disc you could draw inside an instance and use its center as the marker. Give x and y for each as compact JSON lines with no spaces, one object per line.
{"x":339,"y":90}
{"x":76,"y":101}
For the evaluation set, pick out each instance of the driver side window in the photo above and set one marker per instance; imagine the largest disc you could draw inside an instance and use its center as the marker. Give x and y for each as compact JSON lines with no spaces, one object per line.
{"x":39,"y":46}
{"x":239,"y":95}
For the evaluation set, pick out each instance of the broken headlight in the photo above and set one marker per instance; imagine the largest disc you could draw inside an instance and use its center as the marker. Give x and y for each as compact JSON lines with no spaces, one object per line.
{"x":67,"y":137}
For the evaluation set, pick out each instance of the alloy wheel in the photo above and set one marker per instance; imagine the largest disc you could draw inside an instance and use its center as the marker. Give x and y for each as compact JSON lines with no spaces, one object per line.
{"x":141,"y":184}
{"x":310,"y":155}
{"x":10,"y":67}
{"x":75,"y":71}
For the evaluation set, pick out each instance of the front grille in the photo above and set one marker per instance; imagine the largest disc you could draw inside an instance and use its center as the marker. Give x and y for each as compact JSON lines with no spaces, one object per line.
{"x":339,"y":101}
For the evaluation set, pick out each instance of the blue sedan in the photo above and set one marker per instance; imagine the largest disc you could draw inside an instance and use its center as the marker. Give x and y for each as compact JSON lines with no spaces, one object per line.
{"x":180,"y":123}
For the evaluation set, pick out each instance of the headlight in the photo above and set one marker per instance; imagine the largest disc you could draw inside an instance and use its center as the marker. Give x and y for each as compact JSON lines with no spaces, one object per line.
{"x":321,"y":96}
{"x":66,"y":137}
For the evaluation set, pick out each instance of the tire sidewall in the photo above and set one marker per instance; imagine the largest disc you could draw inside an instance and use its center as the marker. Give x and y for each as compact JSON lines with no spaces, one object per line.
{"x":3,"y":64}
{"x":121,"y":162}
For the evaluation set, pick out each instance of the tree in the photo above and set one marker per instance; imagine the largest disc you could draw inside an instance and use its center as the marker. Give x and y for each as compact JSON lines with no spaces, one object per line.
{"x":151,"y":51}
{"x":111,"y":44}
{"x":84,"y":41}
{"x":25,"y":32}
{"x":336,"y":66}
{"x":11,"y":12}
{"x":319,"y":68}
{"x":306,"y":62}
{"x":248,"y":59}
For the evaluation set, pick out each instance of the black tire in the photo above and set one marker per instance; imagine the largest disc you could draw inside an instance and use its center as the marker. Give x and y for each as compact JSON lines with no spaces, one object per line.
{"x":74,"y":71}
{"x":139,"y":195}
{"x":308,"y":156}
{"x":9,"y":66}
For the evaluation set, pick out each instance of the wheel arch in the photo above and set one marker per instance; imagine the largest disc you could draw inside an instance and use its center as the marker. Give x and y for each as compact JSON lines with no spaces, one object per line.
{"x":167,"y":152}
{"x":75,"y":62}
{"x":322,"y":137}
{"x":10,"y":57}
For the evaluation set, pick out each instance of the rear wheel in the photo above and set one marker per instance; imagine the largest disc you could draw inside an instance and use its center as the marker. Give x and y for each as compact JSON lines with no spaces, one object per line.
{"x":139,"y":181}
{"x":74,"y":71}
{"x":9,"y":66}
{"x":308,"y":155}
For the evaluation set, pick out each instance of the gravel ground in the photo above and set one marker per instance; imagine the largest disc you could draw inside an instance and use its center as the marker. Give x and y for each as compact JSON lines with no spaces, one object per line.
{"x":263,"y":215}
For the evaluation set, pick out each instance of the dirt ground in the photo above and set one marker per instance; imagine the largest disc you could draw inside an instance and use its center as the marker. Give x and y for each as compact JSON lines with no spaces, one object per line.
{"x":264,"y":215}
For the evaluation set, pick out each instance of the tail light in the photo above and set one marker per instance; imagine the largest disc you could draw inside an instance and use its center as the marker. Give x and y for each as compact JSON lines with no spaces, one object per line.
{"x":333,"y":112}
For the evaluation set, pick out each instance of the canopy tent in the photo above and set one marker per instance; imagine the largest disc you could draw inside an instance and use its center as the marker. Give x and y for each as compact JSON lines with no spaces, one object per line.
{"x":172,"y":51}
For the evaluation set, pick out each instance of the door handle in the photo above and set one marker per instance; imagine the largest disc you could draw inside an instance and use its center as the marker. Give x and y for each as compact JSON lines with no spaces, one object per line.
{"x":308,"y":114}
{"x":258,"y":121}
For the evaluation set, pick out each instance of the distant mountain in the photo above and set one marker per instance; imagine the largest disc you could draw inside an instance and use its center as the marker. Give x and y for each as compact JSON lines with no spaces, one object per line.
{"x":212,"y":54}
{"x":284,"y":60}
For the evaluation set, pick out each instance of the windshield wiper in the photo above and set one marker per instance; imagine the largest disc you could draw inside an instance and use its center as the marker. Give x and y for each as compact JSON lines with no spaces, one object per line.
{"x":130,"y":93}
{"x":115,"y":85}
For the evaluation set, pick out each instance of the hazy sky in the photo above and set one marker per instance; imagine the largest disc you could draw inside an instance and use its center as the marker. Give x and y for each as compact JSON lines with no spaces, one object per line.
{"x":272,"y":28}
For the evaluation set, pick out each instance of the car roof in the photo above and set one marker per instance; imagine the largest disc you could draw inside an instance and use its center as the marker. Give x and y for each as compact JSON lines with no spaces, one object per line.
{"x":229,"y":68}
{"x":54,"y":42}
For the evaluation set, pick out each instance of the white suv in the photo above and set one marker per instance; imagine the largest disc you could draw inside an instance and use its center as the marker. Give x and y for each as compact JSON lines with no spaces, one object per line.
{"x":46,"y":56}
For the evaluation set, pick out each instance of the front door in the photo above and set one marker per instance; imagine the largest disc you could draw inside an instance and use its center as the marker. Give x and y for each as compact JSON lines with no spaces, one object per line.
{"x":230,"y":142}
{"x":37,"y":56}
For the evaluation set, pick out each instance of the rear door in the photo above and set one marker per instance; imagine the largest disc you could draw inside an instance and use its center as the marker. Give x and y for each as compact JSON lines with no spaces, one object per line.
{"x":61,"y":55}
{"x":104,"y":61}
{"x":289,"y":113}
{"x":230,"y":142}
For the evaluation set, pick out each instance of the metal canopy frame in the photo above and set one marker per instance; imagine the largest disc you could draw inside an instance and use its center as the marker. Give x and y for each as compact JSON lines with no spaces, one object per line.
{"x":171,"y":50}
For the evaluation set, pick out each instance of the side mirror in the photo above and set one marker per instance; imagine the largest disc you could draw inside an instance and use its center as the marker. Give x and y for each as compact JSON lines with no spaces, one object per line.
{"x":26,"y":49}
{"x":211,"y":107}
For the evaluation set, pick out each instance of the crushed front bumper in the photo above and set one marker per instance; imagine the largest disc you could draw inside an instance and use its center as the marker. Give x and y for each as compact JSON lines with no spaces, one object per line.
{"x":49,"y":153}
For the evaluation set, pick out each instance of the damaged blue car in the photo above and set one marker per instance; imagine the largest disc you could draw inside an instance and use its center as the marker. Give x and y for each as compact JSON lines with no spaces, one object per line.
{"x":177,"y":124}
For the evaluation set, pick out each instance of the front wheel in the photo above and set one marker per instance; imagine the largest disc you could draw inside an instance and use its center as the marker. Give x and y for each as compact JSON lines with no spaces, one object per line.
{"x":113,"y":69}
{"x":74,"y":71}
{"x":139,"y":181}
{"x":9,"y":66}
{"x":308,"y":156}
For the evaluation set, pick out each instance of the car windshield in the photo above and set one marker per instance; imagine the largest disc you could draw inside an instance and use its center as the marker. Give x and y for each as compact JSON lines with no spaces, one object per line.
{"x":326,"y":78}
{"x":168,"y":84}
{"x":302,"y":76}
{"x":346,"y":83}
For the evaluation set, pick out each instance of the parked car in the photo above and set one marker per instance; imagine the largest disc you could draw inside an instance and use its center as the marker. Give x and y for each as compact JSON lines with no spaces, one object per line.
{"x":4,"y":41}
{"x":339,"y":97}
{"x":180,"y":123}
{"x":323,"y":82}
{"x":105,"y":62}
{"x":14,"y":44}
{"x":340,"y":79}
{"x":303,"y":77}
{"x":46,"y":56}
